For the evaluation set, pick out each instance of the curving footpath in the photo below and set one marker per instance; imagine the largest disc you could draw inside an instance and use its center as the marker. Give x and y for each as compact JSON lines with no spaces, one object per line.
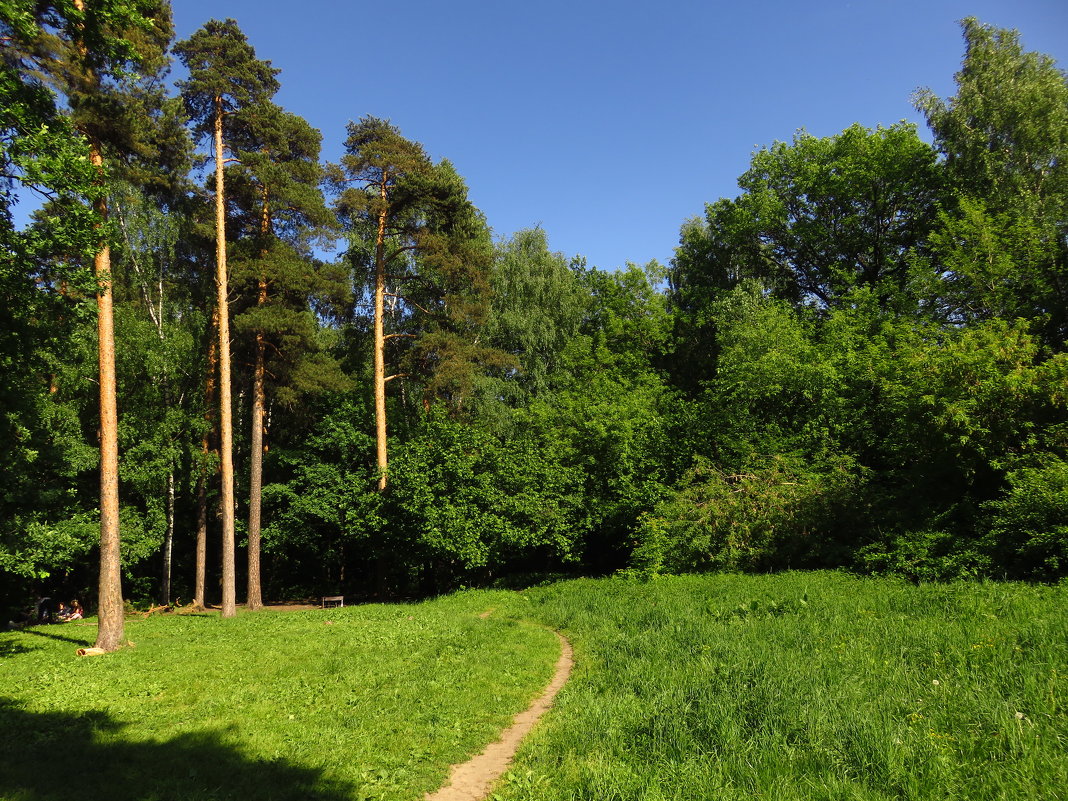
{"x":472,"y":780}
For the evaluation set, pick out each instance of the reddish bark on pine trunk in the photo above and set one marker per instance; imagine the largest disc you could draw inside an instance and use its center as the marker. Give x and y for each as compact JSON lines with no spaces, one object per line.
{"x":226,"y":452}
{"x":111,"y":624}
{"x":255,"y":493}
{"x":380,"y":343}
{"x":205,"y":451}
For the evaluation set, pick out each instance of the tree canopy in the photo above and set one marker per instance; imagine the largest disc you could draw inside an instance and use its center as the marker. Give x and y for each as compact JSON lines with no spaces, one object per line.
{"x":858,"y":361}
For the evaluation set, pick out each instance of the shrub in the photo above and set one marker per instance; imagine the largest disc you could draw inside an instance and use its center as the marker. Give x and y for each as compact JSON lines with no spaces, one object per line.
{"x":925,"y":556}
{"x":773,"y":517}
{"x":1027,"y":533}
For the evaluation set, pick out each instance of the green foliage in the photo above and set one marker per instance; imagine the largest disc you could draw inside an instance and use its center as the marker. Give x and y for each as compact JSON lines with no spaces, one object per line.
{"x":613,"y":435}
{"x":966,"y":394}
{"x":849,"y":436}
{"x":104,"y":60}
{"x":957,"y":408}
{"x":923,"y":556}
{"x":107,"y":60}
{"x":224,"y":76}
{"x":537,"y":307}
{"x":464,"y":498}
{"x":279,"y":213}
{"x":818,"y":218}
{"x":46,"y":548}
{"x":778,"y":515}
{"x":327,"y":494}
{"x":1002,"y":248}
{"x":627,"y":319}
{"x":109,"y":32}
{"x":986,"y":264}
{"x":776,"y":388}
{"x":40,"y":153}
{"x":858,"y":361}
{"x":433,"y":252}
{"x":1006,"y":130}
{"x":42,"y":156}
{"x":45,"y":502}
{"x":1028,"y":525}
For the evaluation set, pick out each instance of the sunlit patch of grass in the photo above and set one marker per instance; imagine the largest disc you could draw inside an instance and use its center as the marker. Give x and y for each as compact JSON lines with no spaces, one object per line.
{"x":802,"y":686}
{"x":360,"y":702}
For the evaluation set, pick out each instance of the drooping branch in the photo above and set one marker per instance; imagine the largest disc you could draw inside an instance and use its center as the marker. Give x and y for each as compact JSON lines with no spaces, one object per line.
{"x":400,"y":250}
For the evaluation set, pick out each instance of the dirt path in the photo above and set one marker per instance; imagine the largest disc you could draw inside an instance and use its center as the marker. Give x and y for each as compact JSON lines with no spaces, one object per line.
{"x":471,"y":780}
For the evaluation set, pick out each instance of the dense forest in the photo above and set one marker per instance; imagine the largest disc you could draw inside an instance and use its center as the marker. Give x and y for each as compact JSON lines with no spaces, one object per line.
{"x":231,"y":371}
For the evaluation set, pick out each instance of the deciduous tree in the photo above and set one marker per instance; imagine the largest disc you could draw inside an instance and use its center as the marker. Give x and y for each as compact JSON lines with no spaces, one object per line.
{"x":1002,"y":249}
{"x":820,"y":216}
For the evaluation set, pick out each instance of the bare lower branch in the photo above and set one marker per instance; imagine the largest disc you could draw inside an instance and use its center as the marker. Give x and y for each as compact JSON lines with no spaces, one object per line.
{"x":408,"y":300}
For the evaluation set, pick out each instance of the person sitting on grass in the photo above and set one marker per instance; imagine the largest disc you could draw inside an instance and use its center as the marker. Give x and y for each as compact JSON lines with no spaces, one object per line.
{"x":46,"y":611}
{"x":76,"y":612}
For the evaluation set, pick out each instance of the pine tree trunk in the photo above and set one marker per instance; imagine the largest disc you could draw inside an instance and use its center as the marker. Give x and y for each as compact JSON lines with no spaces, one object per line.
{"x":380,"y":344}
{"x":255,"y":597}
{"x":226,"y":437}
{"x":111,"y":625}
{"x":205,"y":452}
{"x":259,"y":401}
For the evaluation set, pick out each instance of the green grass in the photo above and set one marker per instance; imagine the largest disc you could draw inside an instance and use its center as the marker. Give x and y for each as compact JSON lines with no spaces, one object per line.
{"x":803,"y":686}
{"x":794,"y":686}
{"x":375,"y":704}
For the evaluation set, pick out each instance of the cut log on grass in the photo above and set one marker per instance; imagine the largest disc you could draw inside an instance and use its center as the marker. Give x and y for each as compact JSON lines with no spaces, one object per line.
{"x":90,"y":651}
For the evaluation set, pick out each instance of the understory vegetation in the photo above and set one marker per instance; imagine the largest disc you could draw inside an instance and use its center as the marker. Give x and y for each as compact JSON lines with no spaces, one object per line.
{"x":802,"y":685}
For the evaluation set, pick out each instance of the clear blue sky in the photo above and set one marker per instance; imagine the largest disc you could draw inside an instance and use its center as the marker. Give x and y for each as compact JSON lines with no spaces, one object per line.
{"x":610,"y":123}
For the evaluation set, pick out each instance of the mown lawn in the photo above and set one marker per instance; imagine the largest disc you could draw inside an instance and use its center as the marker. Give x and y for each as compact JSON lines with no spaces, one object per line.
{"x":794,"y":686}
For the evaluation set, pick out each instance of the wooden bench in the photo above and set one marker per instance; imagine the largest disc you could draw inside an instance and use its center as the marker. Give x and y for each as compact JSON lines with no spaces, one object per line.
{"x":333,"y":601}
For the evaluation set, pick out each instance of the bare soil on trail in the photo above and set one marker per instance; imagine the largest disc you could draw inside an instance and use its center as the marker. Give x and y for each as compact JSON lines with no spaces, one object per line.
{"x":472,"y":780}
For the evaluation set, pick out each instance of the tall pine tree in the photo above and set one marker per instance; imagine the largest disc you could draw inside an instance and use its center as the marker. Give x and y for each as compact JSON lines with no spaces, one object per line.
{"x":426,"y":253}
{"x":224,"y":77}
{"x":104,"y":58}
{"x":276,"y":188}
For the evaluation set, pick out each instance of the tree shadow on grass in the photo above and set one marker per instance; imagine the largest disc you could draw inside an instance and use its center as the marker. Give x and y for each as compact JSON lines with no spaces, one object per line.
{"x":55,"y":756}
{"x":9,"y":646}
{"x":86,"y":640}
